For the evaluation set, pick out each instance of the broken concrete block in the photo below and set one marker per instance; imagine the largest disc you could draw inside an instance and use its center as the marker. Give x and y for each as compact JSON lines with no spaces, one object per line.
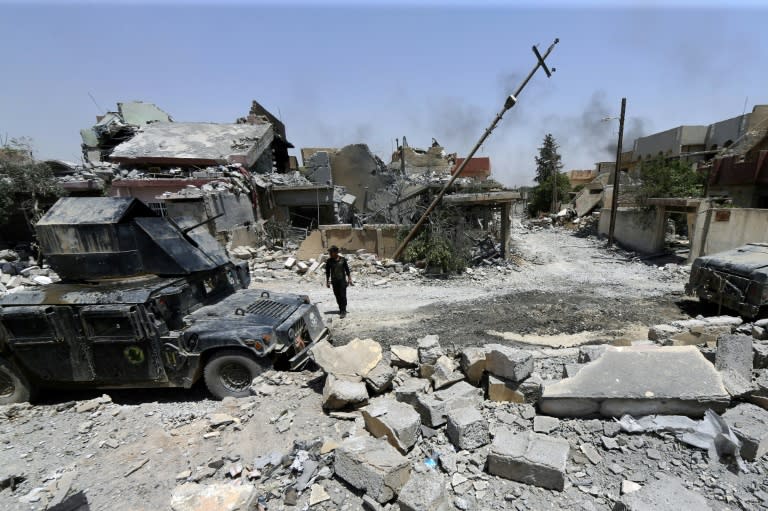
{"x":380,"y":378}
{"x":434,"y":407}
{"x":467,"y":429}
{"x":501,"y":390}
{"x":357,"y":358}
{"x":343,"y":391}
{"x":429,"y":349}
{"x":750,"y":423}
{"x":424,"y":492}
{"x":529,"y":458}
{"x":760,"y":355}
{"x":404,"y":356}
{"x":302,"y":267}
{"x":445,"y":372}
{"x":398,"y":422}
{"x":372,"y":465}
{"x":473,"y":364}
{"x":660,"y":333}
{"x":410,"y":389}
{"x":289,"y":263}
{"x":667,"y":494}
{"x":508,"y":363}
{"x":734,"y":361}
{"x":213,"y":497}
{"x":545,"y":424}
{"x":759,"y":332}
{"x":591,"y":352}
{"x":639,"y":380}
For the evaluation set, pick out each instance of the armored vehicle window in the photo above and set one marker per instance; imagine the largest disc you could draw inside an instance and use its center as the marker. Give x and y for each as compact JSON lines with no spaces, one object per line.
{"x":27,"y":328}
{"x":110,"y":326}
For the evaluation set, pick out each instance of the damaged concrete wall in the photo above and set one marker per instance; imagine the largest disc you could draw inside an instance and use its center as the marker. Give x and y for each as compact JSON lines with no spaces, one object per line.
{"x":719,"y":229}
{"x":376,"y":239}
{"x":357,"y":169}
{"x":636,"y":228}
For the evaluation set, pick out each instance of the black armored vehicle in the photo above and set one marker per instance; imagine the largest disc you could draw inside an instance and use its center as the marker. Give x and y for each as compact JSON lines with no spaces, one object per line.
{"x":144,"y":301}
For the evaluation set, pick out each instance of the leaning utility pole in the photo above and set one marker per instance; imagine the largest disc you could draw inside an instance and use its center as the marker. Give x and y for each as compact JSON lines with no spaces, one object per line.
{"x":509,"y":103}
{"x":615,"y":196}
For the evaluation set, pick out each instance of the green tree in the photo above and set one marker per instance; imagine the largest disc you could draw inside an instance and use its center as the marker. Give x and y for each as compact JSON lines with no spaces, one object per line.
{"x":548,"y":161}
{"x":548,"y":167}
{"x":669,"y":178}
{"x":24,"y":182}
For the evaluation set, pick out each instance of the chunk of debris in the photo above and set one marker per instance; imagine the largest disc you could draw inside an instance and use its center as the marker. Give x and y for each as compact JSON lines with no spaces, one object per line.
{"x":340,"y":392}
{"x":467,"y":429}
{"x":639,"y":380}
{"x":372,"y":465}
{"x":509,"y":363}
{"x":734,"y":361}
{"x":379,"y":379}
{"x":423,"y":492}
{"x":318,"y":495}
{"x":357,"y":358}
{"x":434,"y":407}
{"x":445,"y":372}
{"x":750,"y":423}
{"x":404,"y":356}
{"x":410,"y":390}
{"x":591,"y":352}
{"x":92,"y":404}
{"x":473,"y":364}
{"x":666,"y":494}
{"x":398,"y":422}
{"x":501,"y":390}
{"x":429,"y":349}
{"x":545,"y":424}
{"x":219,"y":497}
{"x":760,"y":355}
{"x":529,"y":458}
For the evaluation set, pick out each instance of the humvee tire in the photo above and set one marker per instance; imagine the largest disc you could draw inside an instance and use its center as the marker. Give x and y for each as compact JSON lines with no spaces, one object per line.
{"x":229,"y":373}
{"x":14,"y":386}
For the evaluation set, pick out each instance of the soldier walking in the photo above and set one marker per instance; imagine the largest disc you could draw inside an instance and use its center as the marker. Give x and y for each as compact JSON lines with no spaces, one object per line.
{"x":337,"y":275}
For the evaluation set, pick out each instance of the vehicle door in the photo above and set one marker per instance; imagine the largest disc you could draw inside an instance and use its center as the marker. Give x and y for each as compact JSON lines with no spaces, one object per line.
{"x":123,"y":343}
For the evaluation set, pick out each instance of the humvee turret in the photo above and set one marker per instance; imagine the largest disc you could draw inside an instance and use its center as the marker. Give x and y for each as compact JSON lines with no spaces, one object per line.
{"x":144,"y":301}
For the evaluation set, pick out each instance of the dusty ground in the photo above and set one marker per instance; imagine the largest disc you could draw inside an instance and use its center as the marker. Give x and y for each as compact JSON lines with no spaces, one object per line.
{"x":565,"y":289}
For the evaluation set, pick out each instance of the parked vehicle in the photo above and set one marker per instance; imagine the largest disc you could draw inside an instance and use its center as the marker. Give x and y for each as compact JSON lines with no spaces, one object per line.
{"x":736,"y":279}
{"x":144,"y":302}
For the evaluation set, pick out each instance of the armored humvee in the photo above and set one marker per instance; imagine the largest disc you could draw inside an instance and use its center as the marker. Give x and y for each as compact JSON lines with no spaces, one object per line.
{"x":144,"y":301}
{"x":736,"y":279}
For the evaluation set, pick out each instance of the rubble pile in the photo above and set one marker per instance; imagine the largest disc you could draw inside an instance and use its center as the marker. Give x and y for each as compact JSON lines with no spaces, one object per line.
{"x":17,"y":273}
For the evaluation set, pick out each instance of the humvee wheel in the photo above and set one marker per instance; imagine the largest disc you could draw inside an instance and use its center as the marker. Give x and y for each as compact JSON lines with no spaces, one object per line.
{"x":230,"y":373}
{"x":14,"y":387}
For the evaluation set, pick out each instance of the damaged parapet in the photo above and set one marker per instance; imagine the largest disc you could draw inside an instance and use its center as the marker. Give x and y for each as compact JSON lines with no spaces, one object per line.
{"x":88,"y":238}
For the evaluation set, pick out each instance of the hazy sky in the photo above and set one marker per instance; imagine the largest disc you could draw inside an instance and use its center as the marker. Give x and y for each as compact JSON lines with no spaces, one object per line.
{"x":348,"y":72}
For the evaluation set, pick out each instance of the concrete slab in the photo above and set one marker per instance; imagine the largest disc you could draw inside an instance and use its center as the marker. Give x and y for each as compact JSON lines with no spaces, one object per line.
{"x":372,"y":465}
{"x":404,"y":356}
{"x":529,"y":458}
{"x":667,"y":494}
{"x":357,"y":358}
{"x":445,"y":372}
{"x":411,"y":389}
{"x":379,"y":379}
{"x":397,"y":422}
{"x":639,"y":380}
{"x":750,"y":423}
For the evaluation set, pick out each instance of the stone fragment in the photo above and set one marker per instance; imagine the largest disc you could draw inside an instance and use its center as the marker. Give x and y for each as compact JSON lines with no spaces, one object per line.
{"x":433,"y":407}
{"x":610,"y":443}
{"x":217,"y":420}
{"x":92,"y":404}
{"x":473,"y":364}
{"x":591,"y":352}
{"x":529,"y":458}
{"x":379,"y":379}
{"x":357,"y":358}
{"x":661,"y":333}
{"x":423,"y":492}
{"x":467,"y":429}
{"x":545,"y":424}
{"x":639,"y":381}
{"x":340,"y":392}
{"x":629,"y":487}
{"x":445,"y":372}
{"x":318,"y":495}
{"x":289,"y":263}
{"x":410,"y":389}
{"x":591,"y":453}
{"x":404,"y":356}
{"x":570,"y":370}
{"x":759,"y":332}
{"x":528,"y":391}
{"x":760,"y":355}
{"x":429,"y":349}
{"x":734,"y":361}
{"x":750,"y":423}
{"x":666,"y":494}
{"x":508,"y":363}
{"x":372,"y":465}
{"x":213,"y":497}
{"x":398,"y":422}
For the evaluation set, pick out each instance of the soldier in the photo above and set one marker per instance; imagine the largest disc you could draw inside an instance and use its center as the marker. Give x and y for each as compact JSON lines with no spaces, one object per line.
{"x":337,"y":273}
